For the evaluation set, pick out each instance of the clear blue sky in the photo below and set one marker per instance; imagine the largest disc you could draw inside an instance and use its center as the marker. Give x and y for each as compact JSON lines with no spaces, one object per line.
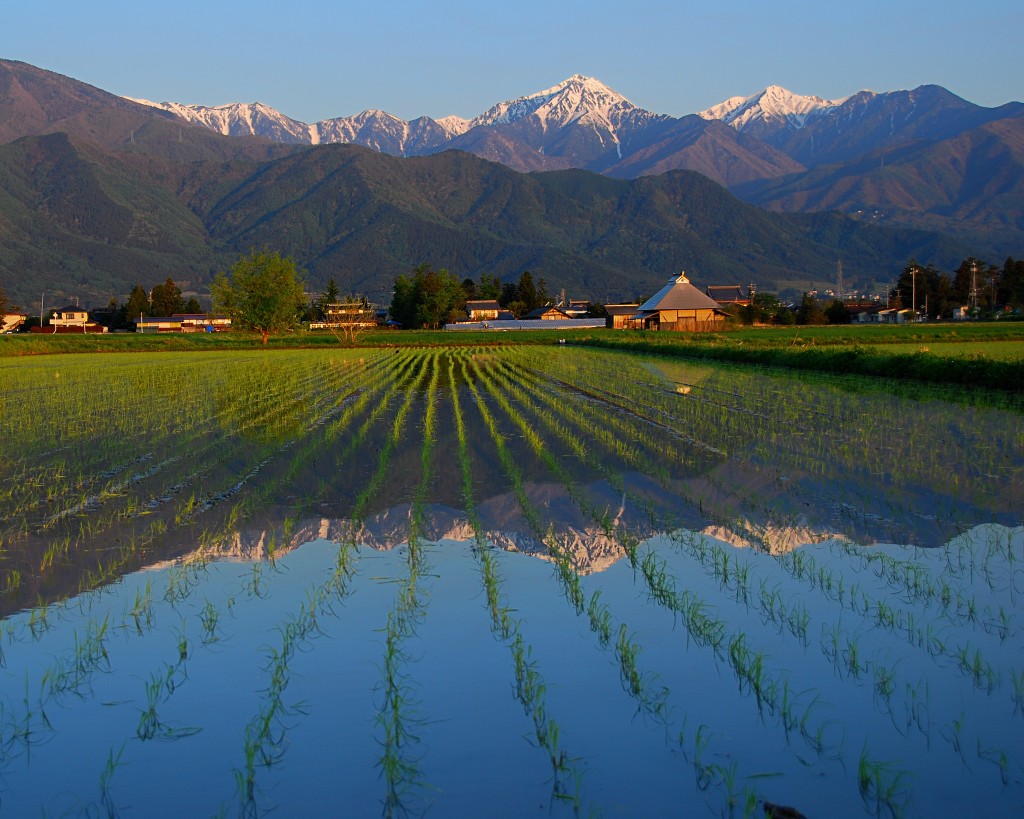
{"x":314,"y":59}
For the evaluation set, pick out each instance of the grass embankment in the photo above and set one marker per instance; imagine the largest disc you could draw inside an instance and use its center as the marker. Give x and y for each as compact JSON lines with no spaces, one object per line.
{"x":23,"y":344}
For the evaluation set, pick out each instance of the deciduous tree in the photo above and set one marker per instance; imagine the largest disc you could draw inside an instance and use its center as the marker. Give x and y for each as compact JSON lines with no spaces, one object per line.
{"x":263,"y":292}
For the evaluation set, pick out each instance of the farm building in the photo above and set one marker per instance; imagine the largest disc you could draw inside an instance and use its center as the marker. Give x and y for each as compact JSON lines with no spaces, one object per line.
{"x":618,"y":314}
{"x":183,"y":323}
{"x":679,"y":306}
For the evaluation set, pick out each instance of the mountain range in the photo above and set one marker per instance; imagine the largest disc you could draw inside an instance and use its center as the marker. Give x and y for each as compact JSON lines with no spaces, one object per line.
{"x":97,"y":191}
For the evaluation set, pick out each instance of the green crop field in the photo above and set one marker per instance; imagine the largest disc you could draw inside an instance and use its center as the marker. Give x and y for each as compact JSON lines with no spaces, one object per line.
{"x":415,"y":578}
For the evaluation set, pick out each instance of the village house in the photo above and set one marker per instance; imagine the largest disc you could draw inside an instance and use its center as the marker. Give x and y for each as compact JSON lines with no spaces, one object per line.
{"x":679,"y":306}
{"x":729,"y":295}
{"x":482,"y":309}
{"x":353,"y":313}
{"x":71,"y":319}
{"x":548,"y":313}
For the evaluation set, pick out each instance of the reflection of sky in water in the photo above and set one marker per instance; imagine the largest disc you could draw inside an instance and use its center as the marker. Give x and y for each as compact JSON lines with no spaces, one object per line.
{"x":763,"y":505}
{"x":473,"y":747}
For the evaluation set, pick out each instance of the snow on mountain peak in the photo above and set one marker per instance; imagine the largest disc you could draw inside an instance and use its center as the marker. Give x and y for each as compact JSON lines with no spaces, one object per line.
{"x":773,"y":104}
{"x":577,"y":99}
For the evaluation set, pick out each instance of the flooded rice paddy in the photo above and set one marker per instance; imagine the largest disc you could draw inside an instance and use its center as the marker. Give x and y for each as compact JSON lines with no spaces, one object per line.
{"x":523,"y":581}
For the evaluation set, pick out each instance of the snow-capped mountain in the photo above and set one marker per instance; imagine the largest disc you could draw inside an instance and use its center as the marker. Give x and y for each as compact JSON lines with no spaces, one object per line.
{"x":773,"y":106}
{"x":582,"y":123}
{"x":241,"y":119}
{"x":578,"y":100}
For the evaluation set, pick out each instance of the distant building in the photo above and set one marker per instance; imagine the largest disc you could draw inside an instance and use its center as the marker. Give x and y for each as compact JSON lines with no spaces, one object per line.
{"x":482,"y":309}
{"x":549,"y":313}
{"x":71,"y":319}
{"x":618,"y":315}
{"x":350,"y":313}
{"x":70,"y":316}
{"x":728,"y":295}
{"x":10,"y":322}
{"x":679,"y":306}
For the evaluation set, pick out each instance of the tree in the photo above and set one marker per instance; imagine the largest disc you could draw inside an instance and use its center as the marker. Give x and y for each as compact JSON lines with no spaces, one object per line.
{"x":264,"y":292}
{"x":166,"y":300}
{"x":1011,"y":283}
{"x":428,"y":298}
{"x":489,"y":287}
{"x":136,"y":306}
{"x":810,"y":311}
{"x":836,"y":313}
{"x":3,"y":300}
{"x":192,"y":306}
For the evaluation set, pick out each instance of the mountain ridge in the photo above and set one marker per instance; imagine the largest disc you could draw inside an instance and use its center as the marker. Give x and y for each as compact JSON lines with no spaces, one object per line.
{"x":143,"y":194}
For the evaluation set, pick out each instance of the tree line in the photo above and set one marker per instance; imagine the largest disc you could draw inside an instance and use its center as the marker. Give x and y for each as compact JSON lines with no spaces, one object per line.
{"x":428,"y":298}
{"x":984,"y":288}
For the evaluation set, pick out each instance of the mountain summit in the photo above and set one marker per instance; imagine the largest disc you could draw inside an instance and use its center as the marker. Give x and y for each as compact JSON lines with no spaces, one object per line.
{"x":773,"y":105}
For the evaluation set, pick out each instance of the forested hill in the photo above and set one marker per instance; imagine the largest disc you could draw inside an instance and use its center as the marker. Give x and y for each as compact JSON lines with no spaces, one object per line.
{"x":82,"y":221}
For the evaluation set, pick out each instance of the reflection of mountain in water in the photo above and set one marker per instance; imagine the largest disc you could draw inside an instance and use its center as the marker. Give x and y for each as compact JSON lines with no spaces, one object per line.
{"x":505,"y":526}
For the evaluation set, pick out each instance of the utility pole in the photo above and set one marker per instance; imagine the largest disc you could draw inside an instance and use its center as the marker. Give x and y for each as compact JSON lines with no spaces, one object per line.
{"x":913,"y":290}
{"x":974,"y":286}
{"x":839,"y":279}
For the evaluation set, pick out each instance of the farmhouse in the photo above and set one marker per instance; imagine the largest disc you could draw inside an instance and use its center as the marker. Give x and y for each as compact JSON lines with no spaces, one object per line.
{"x":71,"y":319}
{"x":351,"y":313}
{"x":679,"y":306}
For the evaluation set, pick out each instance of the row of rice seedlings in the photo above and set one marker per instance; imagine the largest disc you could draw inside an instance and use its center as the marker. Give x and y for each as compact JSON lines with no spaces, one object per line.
{"x":844,"y":653}
{"x":179,"y":395}
{"x":736,"y":435}
{"x":771,"y":691}
{"x":625,"y":441}
{"x":530,"y":689}
{"x":89,"y":527}
{"x":265,"y":733}
{"x":159,"y":688}
{"x":961,"y":610}
{"x":653,"y":699}
{"x":396,"y":716}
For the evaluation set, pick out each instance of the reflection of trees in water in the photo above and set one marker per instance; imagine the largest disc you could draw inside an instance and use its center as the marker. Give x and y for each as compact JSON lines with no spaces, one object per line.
{"x":170,"y":456}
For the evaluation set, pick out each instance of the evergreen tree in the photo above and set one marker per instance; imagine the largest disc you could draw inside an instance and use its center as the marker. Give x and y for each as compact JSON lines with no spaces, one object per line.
{"x":810,"y":311}
{"x":430,"y":298}
{"x":166,"y":300}
{"x":136,"y":306}
{"x":836,"y":313}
